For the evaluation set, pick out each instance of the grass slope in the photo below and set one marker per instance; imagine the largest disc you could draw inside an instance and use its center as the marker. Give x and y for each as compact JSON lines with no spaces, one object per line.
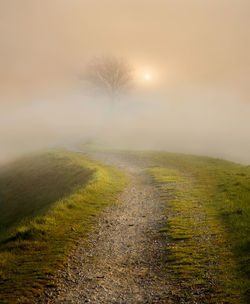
{"x":47,"y":203}
{"x":208,"y":227}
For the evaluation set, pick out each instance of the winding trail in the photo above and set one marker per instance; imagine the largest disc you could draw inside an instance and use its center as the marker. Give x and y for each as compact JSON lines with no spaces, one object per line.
{"x":124,"y":259}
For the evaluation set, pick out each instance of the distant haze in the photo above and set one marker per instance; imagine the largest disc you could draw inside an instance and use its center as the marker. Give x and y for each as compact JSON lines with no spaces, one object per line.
{"x":197,"y":53}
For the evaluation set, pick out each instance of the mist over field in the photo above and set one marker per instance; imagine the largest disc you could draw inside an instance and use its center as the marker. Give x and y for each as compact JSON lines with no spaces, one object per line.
{"x":196,"y":52}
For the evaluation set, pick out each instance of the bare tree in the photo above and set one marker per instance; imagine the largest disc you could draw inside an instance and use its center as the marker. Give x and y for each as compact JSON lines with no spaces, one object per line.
{"x":110,"y":75}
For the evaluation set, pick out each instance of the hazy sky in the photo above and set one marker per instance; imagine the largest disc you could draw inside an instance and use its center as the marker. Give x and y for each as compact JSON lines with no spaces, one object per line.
{"x":186,"y":42}
{"x":198,"y":52}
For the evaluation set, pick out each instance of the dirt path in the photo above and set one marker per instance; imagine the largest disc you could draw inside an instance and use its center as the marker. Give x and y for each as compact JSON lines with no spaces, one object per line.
{"x":124,"y":260}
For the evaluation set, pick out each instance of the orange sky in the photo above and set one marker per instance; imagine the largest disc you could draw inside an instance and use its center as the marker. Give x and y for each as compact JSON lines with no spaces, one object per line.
{"x":198,"y":52}
{"x":191,"y":44}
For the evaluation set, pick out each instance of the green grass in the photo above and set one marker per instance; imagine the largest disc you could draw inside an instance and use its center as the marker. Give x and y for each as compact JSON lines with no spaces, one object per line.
{"x":208,"y":226}
{"x":30,"y":185}
{"x":48,"y":202}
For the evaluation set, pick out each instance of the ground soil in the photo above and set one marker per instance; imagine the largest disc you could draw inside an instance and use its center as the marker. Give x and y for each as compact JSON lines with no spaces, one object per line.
{"x":123,"y":259}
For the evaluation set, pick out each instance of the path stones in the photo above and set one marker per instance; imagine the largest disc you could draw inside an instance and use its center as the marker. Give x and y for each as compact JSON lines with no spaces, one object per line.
{"x":123,"y":261}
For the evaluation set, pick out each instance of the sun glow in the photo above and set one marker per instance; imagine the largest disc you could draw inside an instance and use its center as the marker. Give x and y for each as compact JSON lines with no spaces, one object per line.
{"x":146,"y":76}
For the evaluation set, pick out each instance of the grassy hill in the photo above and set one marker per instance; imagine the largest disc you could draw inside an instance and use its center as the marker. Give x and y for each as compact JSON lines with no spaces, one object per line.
{"x":208,"y":227}
{"x":29,"y":186}
{"x":47,"y":202}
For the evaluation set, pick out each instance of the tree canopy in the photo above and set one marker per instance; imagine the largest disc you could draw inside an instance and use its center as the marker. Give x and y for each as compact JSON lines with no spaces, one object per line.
{"x":110,"y":75}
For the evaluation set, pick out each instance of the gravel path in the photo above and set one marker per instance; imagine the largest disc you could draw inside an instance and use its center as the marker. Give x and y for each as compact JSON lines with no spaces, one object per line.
{"x":123,"y":261}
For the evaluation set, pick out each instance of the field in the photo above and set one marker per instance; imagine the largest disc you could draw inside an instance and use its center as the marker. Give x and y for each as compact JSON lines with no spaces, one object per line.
{"x":208,"y":226}
{"x":48,"y":202}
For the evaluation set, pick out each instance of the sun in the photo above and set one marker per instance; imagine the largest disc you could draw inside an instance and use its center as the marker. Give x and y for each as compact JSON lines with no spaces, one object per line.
{"x":146,"y":76}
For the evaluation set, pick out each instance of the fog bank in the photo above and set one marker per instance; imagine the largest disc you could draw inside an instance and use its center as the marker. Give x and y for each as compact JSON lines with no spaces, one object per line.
{"x":197,"y":52}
